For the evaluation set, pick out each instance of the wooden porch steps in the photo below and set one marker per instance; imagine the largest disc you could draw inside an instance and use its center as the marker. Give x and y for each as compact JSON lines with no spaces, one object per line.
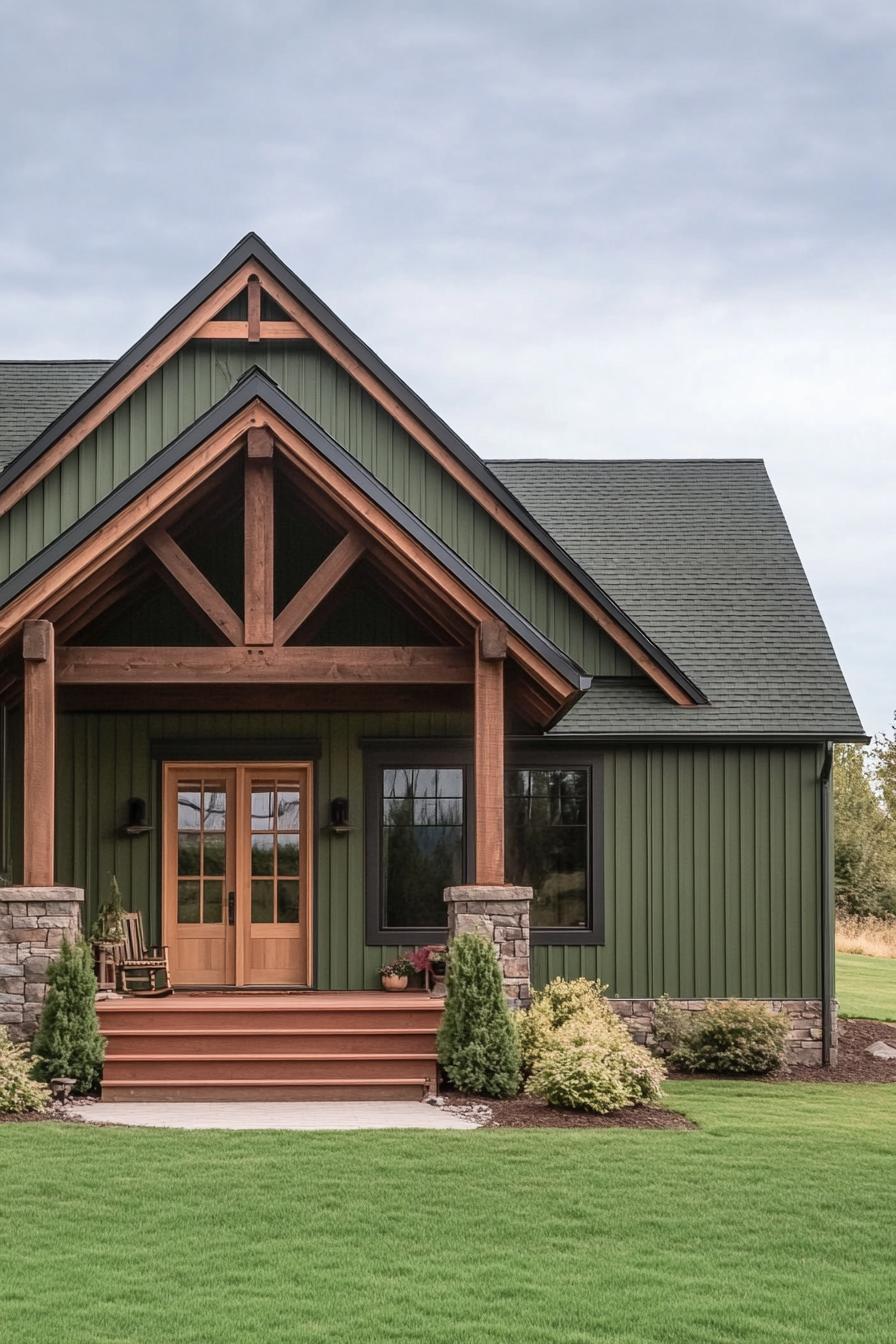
{"x":270,"y":1047}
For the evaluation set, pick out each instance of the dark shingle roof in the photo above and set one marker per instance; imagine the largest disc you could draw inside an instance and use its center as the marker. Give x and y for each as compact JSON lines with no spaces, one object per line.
{"x":34,"y":391}
{"x":700,"y":555}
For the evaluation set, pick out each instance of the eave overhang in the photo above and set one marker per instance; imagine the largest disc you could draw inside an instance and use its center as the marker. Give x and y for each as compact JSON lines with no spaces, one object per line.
{"x":252,"y":250}
{"x":256,"y":388}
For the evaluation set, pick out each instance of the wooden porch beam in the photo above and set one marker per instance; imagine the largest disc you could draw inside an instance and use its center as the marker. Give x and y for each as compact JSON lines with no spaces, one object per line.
{"x":39,"y":753}
{"x":306,"y":664}
{"x":239,"y":331}
{"x":191,"y":583}
{"x":258,"y":524}
{"x":488,"y":746}
{"x":321,"y":583}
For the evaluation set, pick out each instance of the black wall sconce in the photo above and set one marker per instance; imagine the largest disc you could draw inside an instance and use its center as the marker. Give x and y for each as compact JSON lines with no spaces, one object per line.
{"x":339,"y":816}
{"x":136,"y":822}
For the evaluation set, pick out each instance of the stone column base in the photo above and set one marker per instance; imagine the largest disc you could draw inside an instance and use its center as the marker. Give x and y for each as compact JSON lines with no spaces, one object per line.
{"x":500,"y":914}
{"x":803,"y":1045}
{"x":33,"y":923}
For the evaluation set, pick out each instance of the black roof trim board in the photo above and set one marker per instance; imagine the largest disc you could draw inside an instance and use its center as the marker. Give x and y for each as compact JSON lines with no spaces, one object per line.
{"x":256,"y":385}
{"x":253,"y":248}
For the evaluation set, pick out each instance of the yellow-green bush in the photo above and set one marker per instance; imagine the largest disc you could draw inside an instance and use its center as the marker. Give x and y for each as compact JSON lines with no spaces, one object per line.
{"x":577,"y":1053}
{"x":591,"y":1063}
{"x":18,"y":1090}
{"x":553,"y":1006}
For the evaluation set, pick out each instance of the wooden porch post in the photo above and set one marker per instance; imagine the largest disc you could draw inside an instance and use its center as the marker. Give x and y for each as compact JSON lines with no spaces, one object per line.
{"x":489,"y":754}
{"x":38,"y":652}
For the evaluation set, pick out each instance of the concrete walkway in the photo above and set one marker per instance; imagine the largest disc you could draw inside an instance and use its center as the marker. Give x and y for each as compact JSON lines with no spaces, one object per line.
{"x":272,"y":1115}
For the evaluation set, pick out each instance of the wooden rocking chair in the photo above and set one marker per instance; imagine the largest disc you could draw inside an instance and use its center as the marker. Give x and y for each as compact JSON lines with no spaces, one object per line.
{"x":140,"y":962}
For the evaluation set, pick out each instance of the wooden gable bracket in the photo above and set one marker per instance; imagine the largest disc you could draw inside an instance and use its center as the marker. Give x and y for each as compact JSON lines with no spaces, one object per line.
{"x":190,"y":582}
{"x":254,"y":328}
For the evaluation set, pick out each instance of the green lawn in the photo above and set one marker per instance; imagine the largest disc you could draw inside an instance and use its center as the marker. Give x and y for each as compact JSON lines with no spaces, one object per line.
{"x":866,"y":986}
{"x":773,"y":1222}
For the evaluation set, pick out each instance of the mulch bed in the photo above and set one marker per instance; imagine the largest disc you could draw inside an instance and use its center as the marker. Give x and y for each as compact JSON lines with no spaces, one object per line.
{"x":55,"y":1113}
{"x":531,"y":1113}
{"x":853,"y":1065}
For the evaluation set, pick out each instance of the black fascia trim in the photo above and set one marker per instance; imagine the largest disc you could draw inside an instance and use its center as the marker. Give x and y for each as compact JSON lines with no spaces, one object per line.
{"x":256,"y":385}
{"x":254,"y":248}
{"x":687,"y":737}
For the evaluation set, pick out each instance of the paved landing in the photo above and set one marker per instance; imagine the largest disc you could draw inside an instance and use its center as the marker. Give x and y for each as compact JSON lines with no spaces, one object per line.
{"x":272,"y":1115}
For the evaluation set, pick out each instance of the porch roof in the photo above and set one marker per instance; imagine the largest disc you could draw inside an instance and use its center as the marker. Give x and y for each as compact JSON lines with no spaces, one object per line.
{"x":256,"y":386}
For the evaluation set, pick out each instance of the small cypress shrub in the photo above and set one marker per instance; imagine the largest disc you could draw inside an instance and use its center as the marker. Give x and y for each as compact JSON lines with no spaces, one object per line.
{"x":68,"y":1043}
{"x":18,"y":1090}
{"x":477,"y":1042}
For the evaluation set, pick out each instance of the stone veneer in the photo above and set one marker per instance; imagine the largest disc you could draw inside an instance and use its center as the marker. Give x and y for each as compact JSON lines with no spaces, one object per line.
{"x":803,"y":1044}
{"x":33,"y":922}
{"x":500,"y":914}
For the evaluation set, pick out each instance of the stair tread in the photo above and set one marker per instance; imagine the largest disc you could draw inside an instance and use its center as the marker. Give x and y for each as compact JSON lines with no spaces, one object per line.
{"x":203,"y":1058}
{"x":403,"y":1081}
{"x":270,"y":1031}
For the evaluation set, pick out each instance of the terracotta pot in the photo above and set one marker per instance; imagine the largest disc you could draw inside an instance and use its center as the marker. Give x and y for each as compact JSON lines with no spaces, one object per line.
{"x":394,"y":982}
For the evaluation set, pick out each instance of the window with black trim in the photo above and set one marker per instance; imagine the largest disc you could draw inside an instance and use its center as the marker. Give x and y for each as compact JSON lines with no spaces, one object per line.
{"x":417,"y":841}
{"x":547,"y":842}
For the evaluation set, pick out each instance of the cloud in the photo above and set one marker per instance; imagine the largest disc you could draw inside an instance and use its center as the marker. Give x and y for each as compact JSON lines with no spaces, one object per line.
{"x":575,"y":226}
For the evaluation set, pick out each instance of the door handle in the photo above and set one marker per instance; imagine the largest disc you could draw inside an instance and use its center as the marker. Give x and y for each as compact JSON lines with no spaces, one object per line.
{"x":231,"y":907}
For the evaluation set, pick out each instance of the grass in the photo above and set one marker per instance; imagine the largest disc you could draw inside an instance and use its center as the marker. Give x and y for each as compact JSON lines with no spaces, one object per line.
{"x":773,"y":1222}
{"x":866,"y":986}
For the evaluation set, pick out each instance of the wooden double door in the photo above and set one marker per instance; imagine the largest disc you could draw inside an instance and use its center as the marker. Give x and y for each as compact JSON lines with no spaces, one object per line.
{"x":237,"y":868}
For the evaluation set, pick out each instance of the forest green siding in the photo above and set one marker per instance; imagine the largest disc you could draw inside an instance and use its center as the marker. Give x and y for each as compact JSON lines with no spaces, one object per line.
{"x":711,"y":853}
{"x":200,"y":374}
{"x":712,"y":872}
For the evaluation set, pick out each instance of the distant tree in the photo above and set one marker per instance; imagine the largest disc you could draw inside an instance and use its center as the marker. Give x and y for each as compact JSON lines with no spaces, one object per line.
{"x":865,"y":828}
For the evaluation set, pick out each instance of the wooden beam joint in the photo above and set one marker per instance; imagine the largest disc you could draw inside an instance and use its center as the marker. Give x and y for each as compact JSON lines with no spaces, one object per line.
{"x":37,"y":641}
{"x":492,"y":640}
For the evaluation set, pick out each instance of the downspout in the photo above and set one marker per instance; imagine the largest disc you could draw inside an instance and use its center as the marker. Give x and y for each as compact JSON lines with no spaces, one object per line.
{"x":827,"y":908}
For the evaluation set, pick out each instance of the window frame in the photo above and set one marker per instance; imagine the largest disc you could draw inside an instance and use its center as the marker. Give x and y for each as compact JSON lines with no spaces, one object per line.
{"x":396,"y":756}
{"x":553,"y":757}
{"x":437,"y":753}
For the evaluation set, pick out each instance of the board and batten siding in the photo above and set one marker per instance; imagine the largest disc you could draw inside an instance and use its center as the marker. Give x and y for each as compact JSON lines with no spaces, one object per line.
{"x":712,"y":875}
{"x":711,"y":864}
{"x":203,"y":372}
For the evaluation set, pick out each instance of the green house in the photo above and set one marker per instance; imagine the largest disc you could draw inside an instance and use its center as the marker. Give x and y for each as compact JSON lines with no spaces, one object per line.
{"x":283,"y":654}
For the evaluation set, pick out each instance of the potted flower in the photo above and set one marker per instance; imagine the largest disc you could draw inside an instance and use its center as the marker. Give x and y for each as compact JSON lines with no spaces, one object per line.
{"x":432,"y":960}
{"x":394,"y":975}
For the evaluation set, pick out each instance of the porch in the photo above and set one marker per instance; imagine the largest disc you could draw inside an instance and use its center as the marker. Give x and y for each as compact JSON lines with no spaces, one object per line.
{"x":301,"y":1046}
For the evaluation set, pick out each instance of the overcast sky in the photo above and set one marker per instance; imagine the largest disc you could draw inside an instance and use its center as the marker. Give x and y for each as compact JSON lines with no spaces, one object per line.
{"x":613,"y":229}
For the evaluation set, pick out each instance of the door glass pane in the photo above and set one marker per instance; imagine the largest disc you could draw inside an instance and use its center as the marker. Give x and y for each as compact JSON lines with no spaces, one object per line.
{"x":262,"y":855}
{"x":213,"y":852}
{"x":287,"y":902}
{"x":188,"y":847}
{"x":287,"y":810}
{"x":262,"y":901}
{"x":287,"y":855}
{"x":262,"y":810}
{"x":212,"y":902}
{"x":215,"y":810}
{"x":188,"y":902}
{"x":189,"y":807}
